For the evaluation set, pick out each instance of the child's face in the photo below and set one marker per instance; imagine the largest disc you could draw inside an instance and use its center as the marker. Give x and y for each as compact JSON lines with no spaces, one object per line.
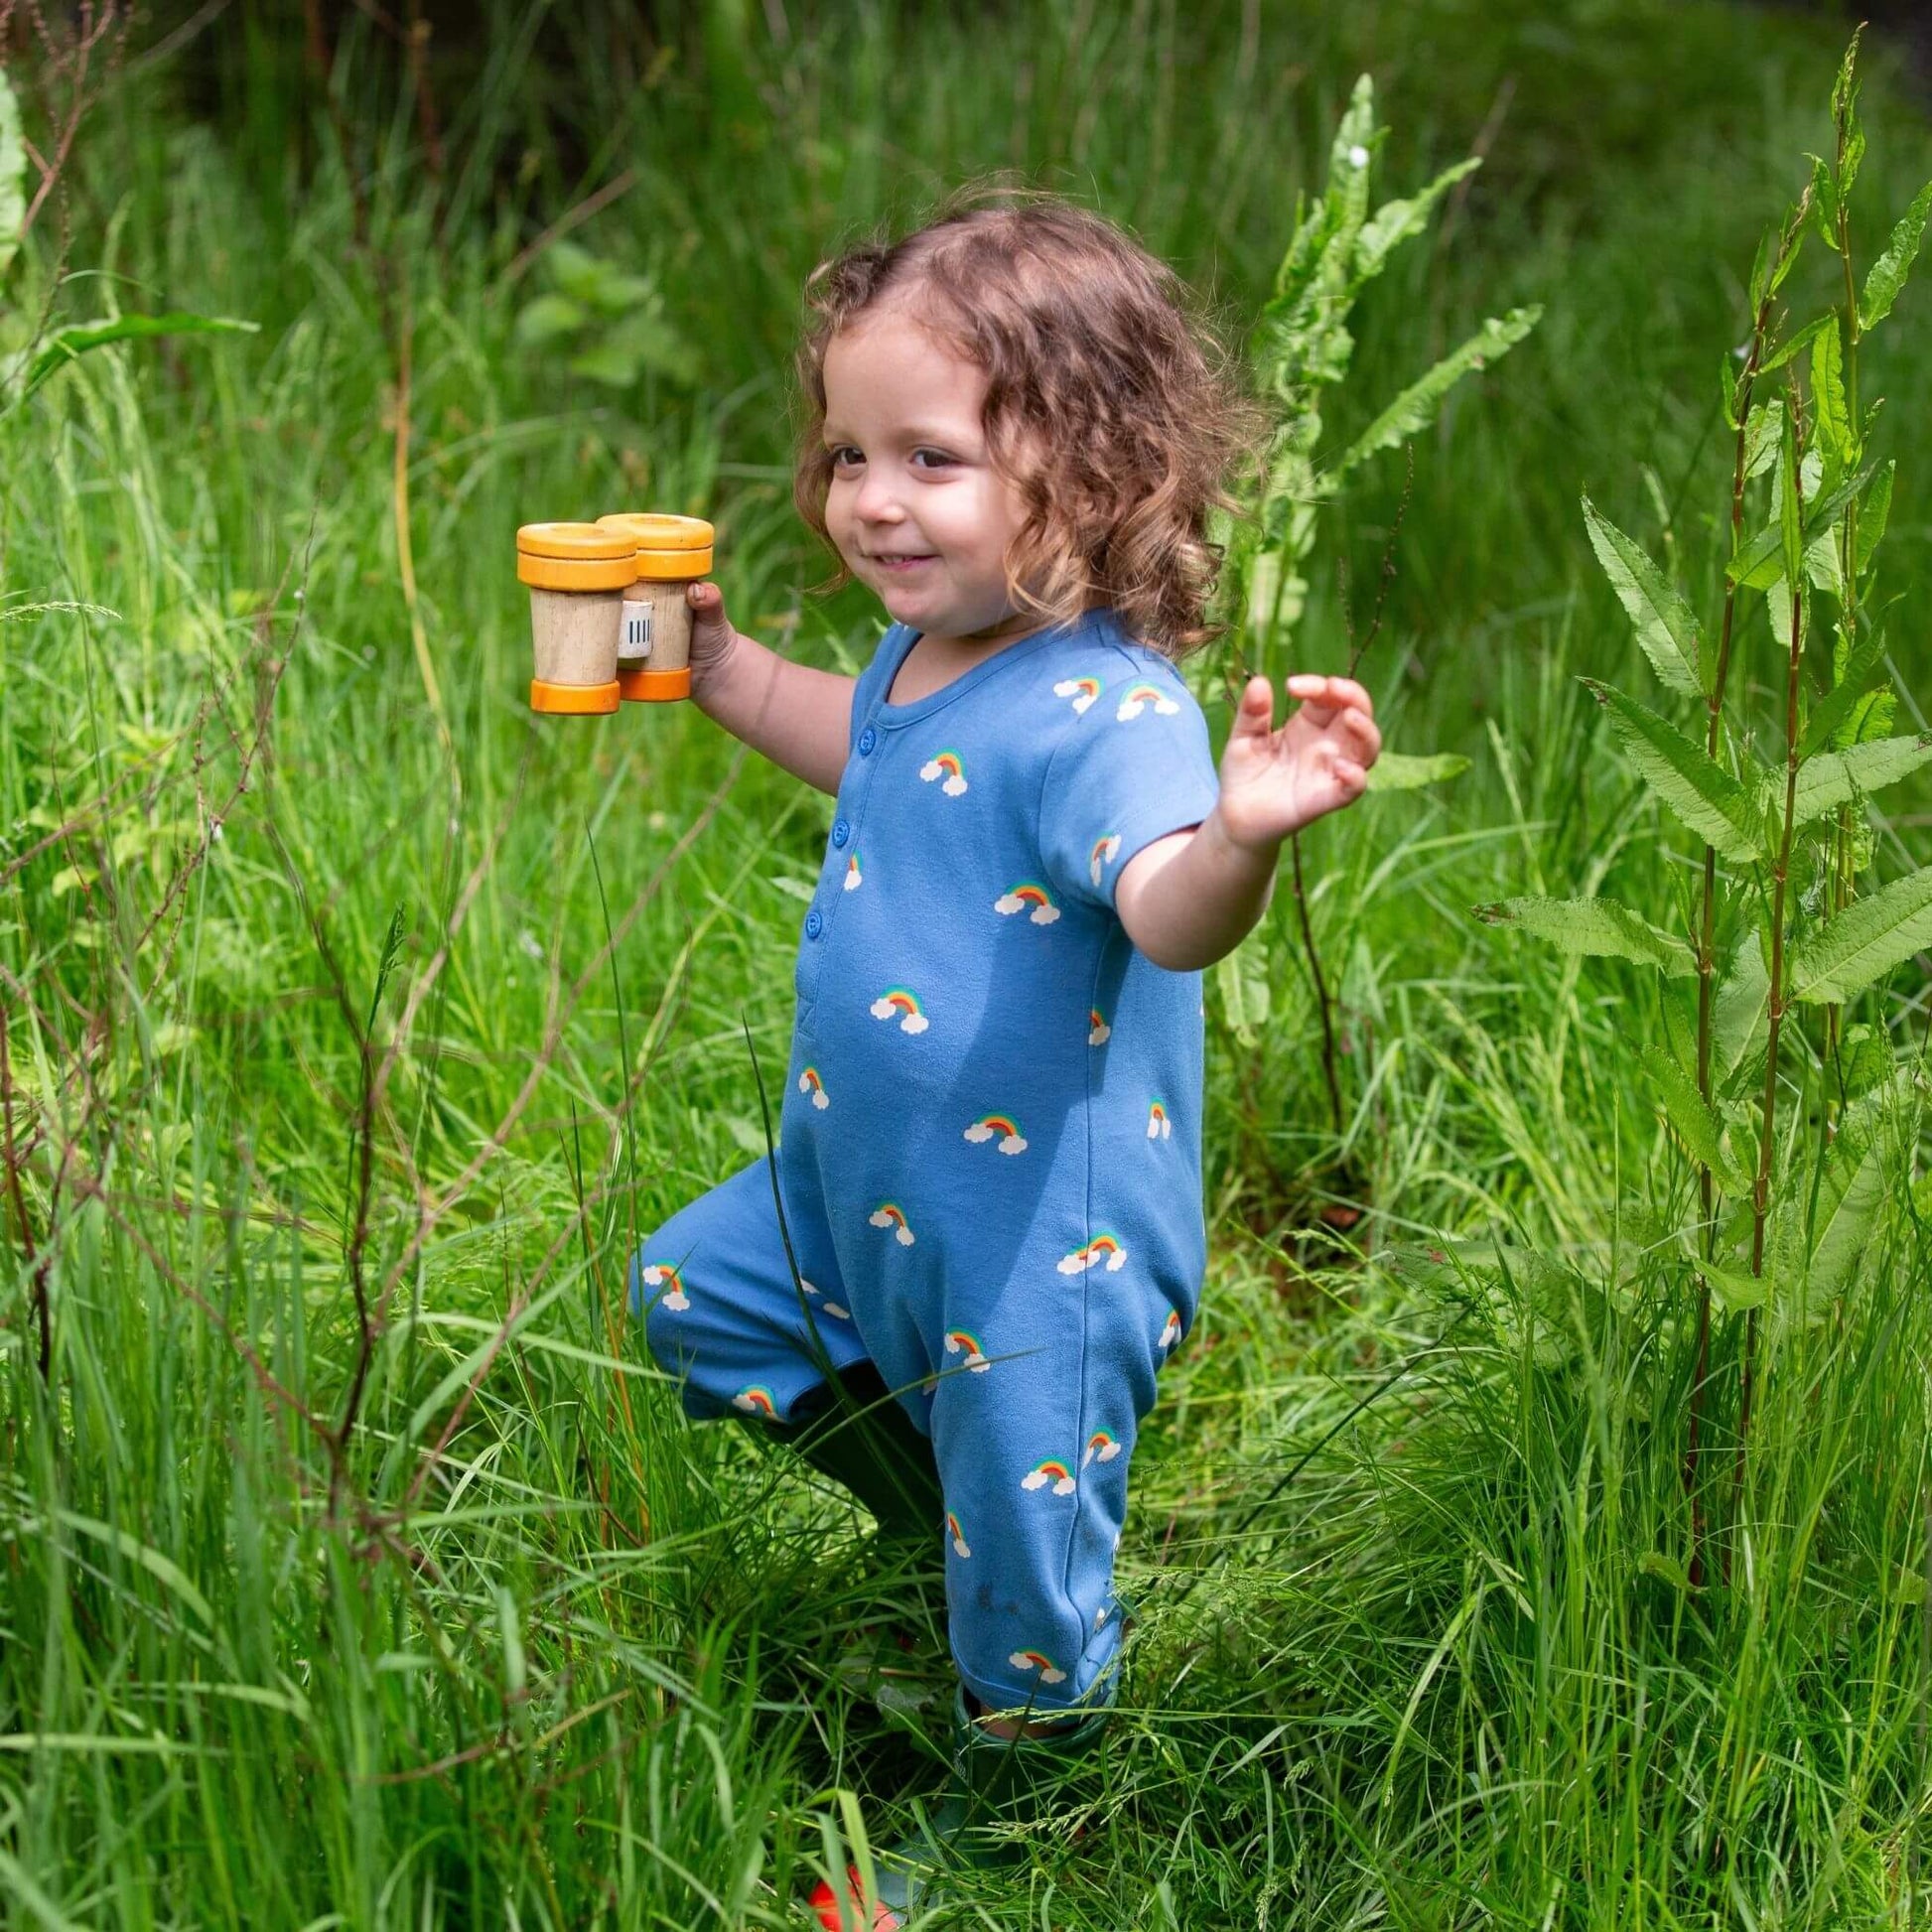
{"x":916,"y":508}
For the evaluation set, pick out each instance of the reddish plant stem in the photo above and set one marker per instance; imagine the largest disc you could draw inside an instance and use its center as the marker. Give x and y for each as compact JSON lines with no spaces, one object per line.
{"x":1780,"y":872}
{"x":1707,"y":927}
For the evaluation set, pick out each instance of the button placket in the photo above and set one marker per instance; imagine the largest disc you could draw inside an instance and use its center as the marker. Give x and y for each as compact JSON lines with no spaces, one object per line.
{"x":845,"y":828}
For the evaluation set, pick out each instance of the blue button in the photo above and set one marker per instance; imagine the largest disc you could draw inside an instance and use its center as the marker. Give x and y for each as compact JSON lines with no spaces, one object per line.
{"x":867,"y":740}
{"x":815,"y":925}
{"x":841,"y":832}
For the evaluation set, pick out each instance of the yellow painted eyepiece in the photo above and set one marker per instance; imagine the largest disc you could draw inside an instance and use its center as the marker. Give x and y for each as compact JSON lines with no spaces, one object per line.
{"x":669,"y":548}
{"x":575,"y":557}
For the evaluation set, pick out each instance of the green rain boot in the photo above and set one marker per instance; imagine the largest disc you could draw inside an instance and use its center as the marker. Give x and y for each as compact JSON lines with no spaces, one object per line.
{"x":857,"y":1433}
{"x":996,"y":1782}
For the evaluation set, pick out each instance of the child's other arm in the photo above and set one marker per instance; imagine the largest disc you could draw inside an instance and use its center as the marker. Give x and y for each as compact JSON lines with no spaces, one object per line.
{"x":1190,"y":897}
{"x":799,"y":717}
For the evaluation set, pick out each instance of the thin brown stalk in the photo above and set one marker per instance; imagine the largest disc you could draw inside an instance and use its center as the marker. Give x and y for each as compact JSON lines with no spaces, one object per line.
{"x":1780,"y":872}
{"x":1842,"y":837}
{"x":1707,"y":911}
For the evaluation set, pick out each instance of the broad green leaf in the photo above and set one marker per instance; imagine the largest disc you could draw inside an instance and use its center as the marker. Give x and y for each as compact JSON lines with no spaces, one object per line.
{"x":1736,"y":1289}
{"x":1825,"y":199}
{"x":1352,"y":148}
{"x":1740,"y":1010}
{"x":1760,"y":283}
{"x":1834,"y":420}
{"x":13,"y":178}
{"x":1241,"y":977}
{"x":1691,"y":1115}
{"x":1596,"y":927}
{"x":1666,"y":627}
{"x":1831,"y":711}
{"x":1851,"y":1191}
{"x":1863,"y":943}
{"x":1759,"y":562}
{"x":1415,"y":409}
{"x":1873,"y":516}
{"x":1795,"y":344}
{"x":1395,"y":222}
{"x":1830,"y":779}
{"x":547,"y":318}
{"x":1761,"y":436}
{"x":1392,"y":772}
{"x":1887,"y":274}
{"x":64,"y":345}
{"x":1698,"y":790}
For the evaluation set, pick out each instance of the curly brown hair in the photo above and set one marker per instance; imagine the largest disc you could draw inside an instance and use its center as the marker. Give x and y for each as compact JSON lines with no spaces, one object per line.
{"x":1095,"y":357}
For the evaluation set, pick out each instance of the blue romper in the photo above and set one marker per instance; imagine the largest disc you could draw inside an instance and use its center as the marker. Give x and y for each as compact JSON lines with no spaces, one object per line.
{"x":990,"y":1145}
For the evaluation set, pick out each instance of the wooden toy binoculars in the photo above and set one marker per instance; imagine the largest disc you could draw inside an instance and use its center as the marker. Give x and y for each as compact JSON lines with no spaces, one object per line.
{"x":609,"y":618}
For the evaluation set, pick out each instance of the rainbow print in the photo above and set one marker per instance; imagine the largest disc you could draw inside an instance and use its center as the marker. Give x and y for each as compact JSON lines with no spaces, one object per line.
{"x":754,"y":1401}
{"x":1170,"y":1331}
{"x":1102,"y":1248}
{"x":1159,"y":1125}
{"x":1101,"y":1448}
{"x":1079,"y":691}
{"x":949,"y":769}
{"x":810,"y":1083}
{"x":962,"y":1341}
{"x":661,"y":1274}
{"x":889,"y":1214}
{"x":854,"y":878}
{"x":1138,"y":697}
{"x":1033,"y":1660}
{"x":1007,"y":1129}
{"x":902,"y":1003}
{"x":1049,"y":1471}
{"x":1030,"y":897}
{"x":1098,"y":1030}
{"x":1102,"y":856}
{"x":957,"y":1535}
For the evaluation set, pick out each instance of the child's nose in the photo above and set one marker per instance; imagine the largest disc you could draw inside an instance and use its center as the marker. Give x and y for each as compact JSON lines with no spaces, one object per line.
{"x":877,"y":503}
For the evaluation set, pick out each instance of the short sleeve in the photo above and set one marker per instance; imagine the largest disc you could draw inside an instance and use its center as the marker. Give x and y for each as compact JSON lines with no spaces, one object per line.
{"x":1137,"y":765}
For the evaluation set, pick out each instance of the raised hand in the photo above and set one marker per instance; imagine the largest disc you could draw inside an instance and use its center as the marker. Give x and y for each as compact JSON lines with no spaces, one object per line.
{"x":1273,"y":782}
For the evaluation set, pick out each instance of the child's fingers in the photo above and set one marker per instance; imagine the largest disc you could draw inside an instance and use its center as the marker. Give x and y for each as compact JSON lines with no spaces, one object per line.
{"x":1256,"y":711}
{"x":1312,"y":688}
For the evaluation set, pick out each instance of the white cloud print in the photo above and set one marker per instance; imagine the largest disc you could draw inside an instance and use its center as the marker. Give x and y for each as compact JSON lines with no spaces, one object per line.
{"x":831,"y":1307}
{"x":888,"y":1215}
{"x":1018,"y":899}
{"x":1033,"y":1660}
{"x":945,"y":767}
{"x":1103,"y":1248}
{"x":1140,"y":697}
{"x":1011,"y":1138}
{"x":1083,"y":690}
{"x":896,"y":1002}
{"x":656,"y":1277}
{"x":1103,"y":856}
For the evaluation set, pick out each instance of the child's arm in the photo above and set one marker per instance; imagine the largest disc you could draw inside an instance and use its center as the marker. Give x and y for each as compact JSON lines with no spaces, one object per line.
{"x":1190,"y":897}
{"x":799,"y":717}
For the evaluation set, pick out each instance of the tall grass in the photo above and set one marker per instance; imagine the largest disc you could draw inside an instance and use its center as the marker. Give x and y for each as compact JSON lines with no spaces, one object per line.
{"x":355,"y":1565}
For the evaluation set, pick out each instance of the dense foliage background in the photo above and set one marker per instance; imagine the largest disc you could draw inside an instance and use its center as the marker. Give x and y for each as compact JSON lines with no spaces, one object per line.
{"x":356,"y":1568}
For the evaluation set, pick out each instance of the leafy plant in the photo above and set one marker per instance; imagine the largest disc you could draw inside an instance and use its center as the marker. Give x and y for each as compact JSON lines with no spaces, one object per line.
{"x":608,"y":324}
{"x":1783,"y":1222}
{"x":1301,"y":349}
{"x":38,"y":355}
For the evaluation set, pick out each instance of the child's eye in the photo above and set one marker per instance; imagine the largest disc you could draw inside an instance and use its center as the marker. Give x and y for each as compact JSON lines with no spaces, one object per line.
{"x":843,"y":455}
{"x":940,"y":461}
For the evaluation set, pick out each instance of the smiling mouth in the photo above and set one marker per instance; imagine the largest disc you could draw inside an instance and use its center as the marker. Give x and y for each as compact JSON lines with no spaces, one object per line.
{"x":903,"y":560}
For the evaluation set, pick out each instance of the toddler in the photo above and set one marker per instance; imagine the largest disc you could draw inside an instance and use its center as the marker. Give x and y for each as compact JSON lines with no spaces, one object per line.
{"x":954,"y":1284}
